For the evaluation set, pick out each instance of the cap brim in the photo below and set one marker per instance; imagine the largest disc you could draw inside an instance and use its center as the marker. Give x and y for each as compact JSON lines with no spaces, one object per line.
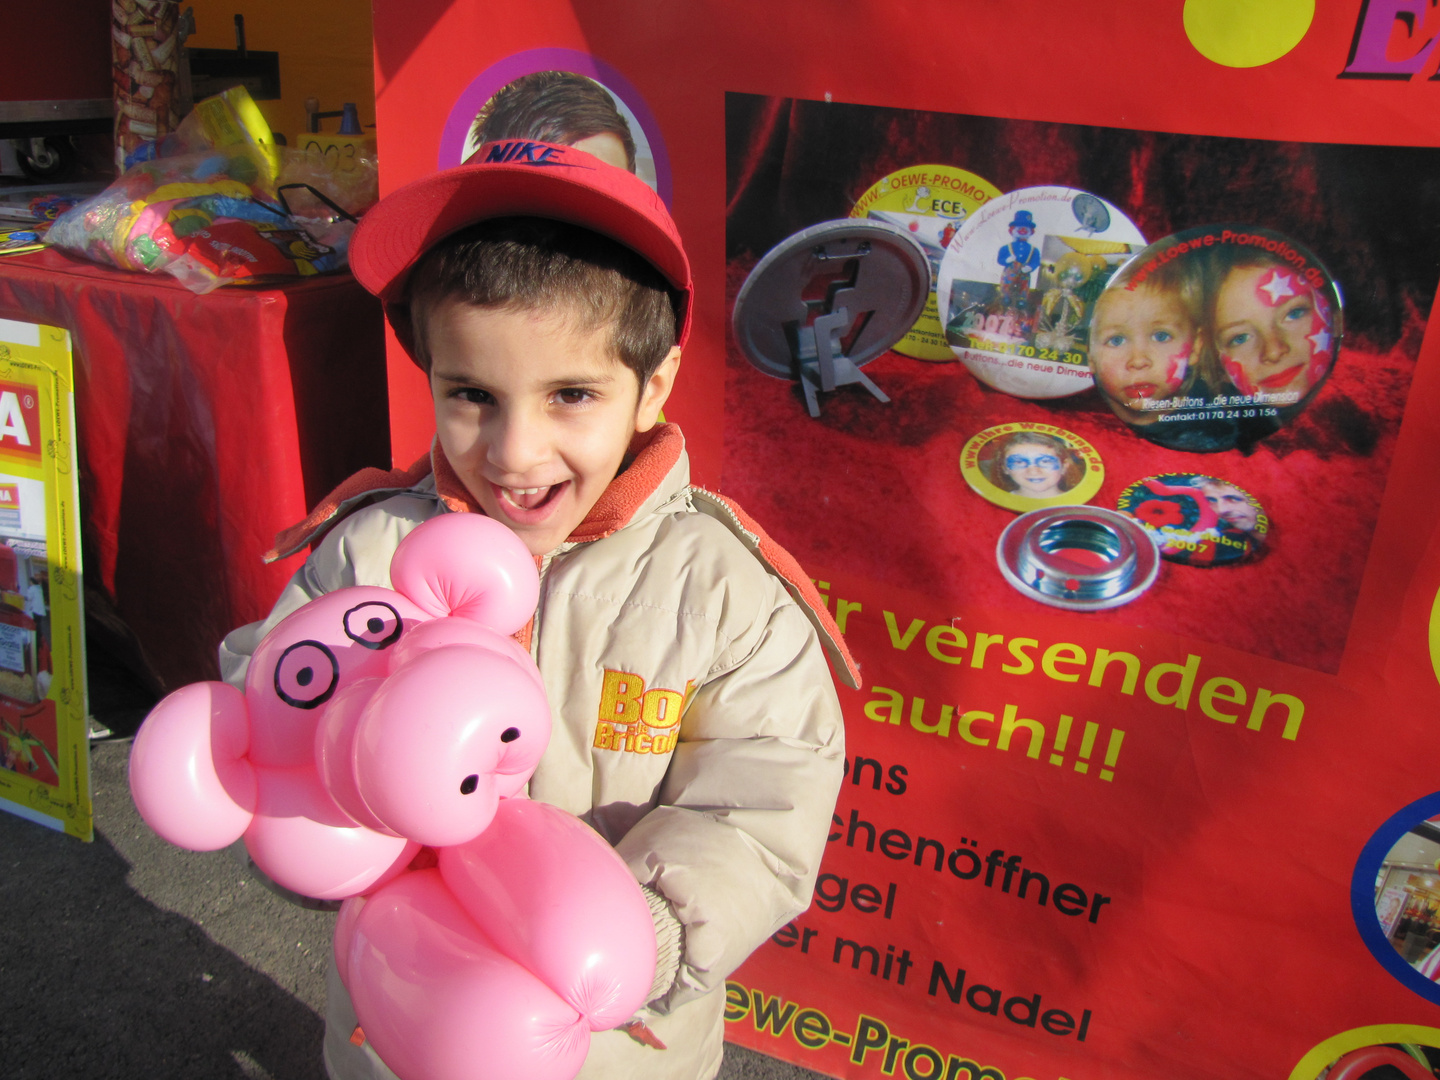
{"x":393,"y":235}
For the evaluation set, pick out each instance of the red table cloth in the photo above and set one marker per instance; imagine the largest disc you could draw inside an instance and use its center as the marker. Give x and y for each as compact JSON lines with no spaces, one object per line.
{"x":205,"y":424}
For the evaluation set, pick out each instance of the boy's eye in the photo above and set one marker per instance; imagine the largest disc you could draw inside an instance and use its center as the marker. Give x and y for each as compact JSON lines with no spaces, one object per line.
{"x":1234,"y":341}
{"x":1160,"y":337}
{"x":473,"y":396}
{"x":1114,"y":341}
{"x":1300,"y":311}
{"x":572,"y":395}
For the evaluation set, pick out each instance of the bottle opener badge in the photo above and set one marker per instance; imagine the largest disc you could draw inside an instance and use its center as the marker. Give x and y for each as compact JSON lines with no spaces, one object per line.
{"x":1082,"y":558}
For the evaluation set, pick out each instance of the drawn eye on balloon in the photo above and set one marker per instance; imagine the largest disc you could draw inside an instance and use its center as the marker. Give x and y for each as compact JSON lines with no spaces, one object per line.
{"x":306,"y":675}
{"x":373,"y":625}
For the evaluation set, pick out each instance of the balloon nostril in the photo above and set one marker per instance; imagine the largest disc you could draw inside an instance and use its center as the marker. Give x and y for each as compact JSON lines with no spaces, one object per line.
{"x":510,"y":734}
{"x":469,"y":784}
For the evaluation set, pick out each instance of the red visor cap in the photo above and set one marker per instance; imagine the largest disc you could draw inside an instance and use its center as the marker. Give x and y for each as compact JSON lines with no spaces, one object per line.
{"x":515,"y":178}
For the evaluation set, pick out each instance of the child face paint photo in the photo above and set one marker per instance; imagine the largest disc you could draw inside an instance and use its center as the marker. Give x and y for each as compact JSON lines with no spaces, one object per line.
{"x":1024,"y":467}
{"x":1215,"y":337}
{"x":1035,"y":470}
{"x":1272,"y":332}
{"x":1142,"y":344}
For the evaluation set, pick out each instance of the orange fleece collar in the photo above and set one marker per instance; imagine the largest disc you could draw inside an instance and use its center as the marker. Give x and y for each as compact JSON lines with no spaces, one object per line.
{"x":652,"y":455}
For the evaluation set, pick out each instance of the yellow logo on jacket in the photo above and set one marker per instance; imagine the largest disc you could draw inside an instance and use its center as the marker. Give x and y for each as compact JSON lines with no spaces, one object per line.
{"x":634,"y":720}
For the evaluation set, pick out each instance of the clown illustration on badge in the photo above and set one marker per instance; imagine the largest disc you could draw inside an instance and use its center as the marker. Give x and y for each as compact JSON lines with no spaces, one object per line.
{"x":1215,"y":337}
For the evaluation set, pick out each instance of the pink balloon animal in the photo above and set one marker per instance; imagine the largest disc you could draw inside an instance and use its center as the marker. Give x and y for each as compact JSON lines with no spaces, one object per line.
{"x":375,"y":723}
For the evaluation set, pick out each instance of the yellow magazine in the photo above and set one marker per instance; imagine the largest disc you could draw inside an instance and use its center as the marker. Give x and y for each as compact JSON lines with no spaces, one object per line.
{"x":44,"y":740}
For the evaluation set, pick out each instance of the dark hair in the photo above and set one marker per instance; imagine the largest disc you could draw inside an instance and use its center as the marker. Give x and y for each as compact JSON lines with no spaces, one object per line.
{"x":552,"y":106}
{"x":537,"y":263}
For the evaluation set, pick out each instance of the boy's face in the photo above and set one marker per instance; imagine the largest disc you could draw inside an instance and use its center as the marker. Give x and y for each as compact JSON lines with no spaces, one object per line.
{"x":535,"y":416}
{"x":1141,"y":347}
{"x":1271,"y":331}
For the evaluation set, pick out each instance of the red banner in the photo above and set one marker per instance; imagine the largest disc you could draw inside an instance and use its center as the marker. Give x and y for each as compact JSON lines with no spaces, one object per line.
{"x":1112,"y":808}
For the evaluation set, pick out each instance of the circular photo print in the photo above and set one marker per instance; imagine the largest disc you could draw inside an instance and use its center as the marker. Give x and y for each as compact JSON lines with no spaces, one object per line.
{"x":1028,"y":466}
{"x":1412,"y":1055}
{"x":564,"y":107}
{"x":931,"y":203}
{"x":1197,"y":520}
{"x":1018,"y":281}
{"x":1215,"y":337}
{"x":1395,"y":896}
{"x":559,"y":96}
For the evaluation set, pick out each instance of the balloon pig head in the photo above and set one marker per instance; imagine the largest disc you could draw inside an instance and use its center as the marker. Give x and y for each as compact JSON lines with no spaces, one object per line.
{"x":373,"y":721}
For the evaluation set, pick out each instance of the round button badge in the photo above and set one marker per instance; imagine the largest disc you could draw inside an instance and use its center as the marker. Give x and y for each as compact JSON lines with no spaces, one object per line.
{"x":1028,"y":466}
{"x":1197,"y":520}
{"x":1018,"y":281}
{"x":1215,"y":337}
{"x":931,"y":202}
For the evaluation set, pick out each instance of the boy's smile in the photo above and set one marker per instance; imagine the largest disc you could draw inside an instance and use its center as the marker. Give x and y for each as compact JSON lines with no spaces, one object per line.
{"x":534,"y":415}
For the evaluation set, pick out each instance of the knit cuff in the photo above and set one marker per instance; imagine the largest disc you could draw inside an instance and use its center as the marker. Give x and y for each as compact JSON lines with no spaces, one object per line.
{"x":669,"y":942}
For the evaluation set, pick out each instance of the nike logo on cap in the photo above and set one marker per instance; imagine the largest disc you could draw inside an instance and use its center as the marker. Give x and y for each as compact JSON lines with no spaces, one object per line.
{"x":521,"y":152}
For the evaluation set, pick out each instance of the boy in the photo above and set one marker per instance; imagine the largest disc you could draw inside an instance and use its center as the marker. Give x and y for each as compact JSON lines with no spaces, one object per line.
{"x":546,"y":295}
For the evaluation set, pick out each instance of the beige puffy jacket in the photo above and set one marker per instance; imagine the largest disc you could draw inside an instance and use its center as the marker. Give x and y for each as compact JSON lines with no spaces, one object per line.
{"x":674,"y":602}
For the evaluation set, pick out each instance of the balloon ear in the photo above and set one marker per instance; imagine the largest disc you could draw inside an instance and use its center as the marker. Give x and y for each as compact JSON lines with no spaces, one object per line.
{"x":189,"y":775}
{"x":469,"y":566}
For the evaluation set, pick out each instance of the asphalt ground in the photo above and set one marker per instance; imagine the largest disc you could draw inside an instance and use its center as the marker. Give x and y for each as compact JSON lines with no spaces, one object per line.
{"x":129,"y":958}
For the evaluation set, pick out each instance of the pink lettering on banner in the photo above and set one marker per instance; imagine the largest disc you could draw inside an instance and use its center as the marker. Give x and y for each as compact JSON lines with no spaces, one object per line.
{"x":1381,"y":22}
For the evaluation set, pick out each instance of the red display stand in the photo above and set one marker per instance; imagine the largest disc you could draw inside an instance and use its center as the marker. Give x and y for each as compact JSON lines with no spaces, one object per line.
{"x":205,"y":425}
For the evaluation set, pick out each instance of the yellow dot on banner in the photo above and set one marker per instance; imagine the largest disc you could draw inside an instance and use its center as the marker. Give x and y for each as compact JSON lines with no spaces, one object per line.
{"x":1435,"y":635}
{"x":1246,"y":33}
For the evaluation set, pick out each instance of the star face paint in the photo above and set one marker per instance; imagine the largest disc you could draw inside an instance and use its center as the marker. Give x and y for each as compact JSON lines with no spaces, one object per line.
{"x":1272,"y":332}
{"x":1141,"y":345}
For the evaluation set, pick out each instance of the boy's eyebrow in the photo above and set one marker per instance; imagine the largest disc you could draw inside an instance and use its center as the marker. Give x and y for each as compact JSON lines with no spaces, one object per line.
{"x":592,"y":379}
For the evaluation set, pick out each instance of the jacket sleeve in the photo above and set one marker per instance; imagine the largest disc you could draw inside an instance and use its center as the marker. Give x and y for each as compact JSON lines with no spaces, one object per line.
{"x":736,"y":839}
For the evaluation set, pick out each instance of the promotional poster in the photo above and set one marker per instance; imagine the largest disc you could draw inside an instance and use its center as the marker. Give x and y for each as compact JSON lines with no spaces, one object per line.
{"x":44,"y":741}
{"x":1086,"y":361}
